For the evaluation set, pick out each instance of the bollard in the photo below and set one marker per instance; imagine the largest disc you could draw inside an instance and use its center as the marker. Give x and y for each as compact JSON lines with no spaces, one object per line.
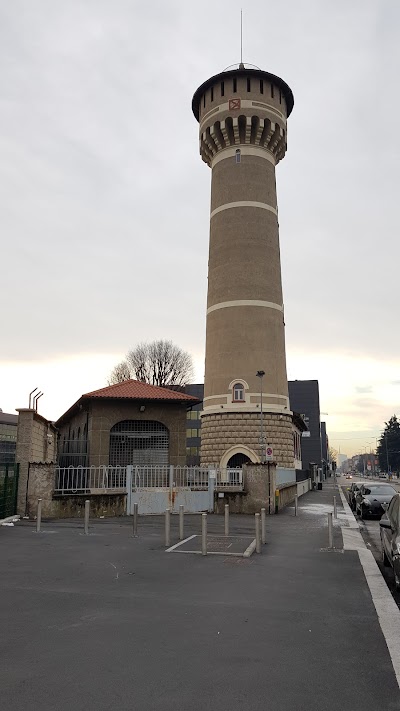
{"x":135,"y":519}
{"x":181,"y":514}
{"x":39,"y":515}
{"x":167,"y":528}
{"x":263,"y":527}
{"x":330,"y":531}
{"x":204,"y":534}
{"x":226,"y":519}
{"x":296,"y":504}
{"x":258,"y":539}
{"x":87,"y":508}
{"x":334,"y":507}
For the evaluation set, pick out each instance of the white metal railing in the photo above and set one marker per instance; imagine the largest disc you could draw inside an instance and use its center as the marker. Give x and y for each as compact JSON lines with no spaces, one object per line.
{"x":191,"y":477}
{"x":80,"y":480}
{"x":151,"y":476}
{"x":229,"y":478}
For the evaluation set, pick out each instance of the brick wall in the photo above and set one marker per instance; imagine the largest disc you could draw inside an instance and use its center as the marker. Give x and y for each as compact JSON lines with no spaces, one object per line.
{"x":104,"y":414}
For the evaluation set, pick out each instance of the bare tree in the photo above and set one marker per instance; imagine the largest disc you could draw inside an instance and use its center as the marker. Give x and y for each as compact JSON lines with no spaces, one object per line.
{"x":158,"y":363}
{"x":119,"y":373}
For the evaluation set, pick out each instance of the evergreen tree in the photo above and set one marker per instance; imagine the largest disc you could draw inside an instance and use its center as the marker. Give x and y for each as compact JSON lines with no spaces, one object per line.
{"x":388,"y":449}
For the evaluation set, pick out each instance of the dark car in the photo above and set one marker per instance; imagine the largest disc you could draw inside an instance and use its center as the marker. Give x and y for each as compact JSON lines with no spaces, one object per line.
{"x":390,"y":537}
{"x":373,"y":499}
{"x":352,"y":492}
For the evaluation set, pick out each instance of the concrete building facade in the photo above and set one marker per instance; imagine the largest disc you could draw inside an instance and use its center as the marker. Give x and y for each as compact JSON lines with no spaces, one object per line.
{"x":242,"y":114}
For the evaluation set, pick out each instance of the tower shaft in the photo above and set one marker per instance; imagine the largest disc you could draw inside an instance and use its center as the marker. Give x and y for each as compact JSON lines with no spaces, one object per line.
{"x":242,"y":117}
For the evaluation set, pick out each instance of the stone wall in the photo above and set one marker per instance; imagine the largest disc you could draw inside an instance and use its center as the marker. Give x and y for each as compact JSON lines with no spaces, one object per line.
{"x":259,"y":484}
{"x":41,"y":486}
{"x":36,"y":442}
{"x":222,"y":432}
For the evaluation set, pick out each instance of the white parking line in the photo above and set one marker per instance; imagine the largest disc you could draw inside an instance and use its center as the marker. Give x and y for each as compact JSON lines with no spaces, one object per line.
{"x":180,"y":543}
{"x":386,"y":608}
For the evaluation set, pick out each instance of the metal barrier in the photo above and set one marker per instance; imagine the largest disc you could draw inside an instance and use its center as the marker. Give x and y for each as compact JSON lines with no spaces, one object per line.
{"x":83,"y":480}
{"x":8,"y":489}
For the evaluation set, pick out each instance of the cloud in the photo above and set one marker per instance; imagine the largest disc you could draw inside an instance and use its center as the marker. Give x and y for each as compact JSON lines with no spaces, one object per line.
{"x":363,"y":389}
{"x":105,"y":201}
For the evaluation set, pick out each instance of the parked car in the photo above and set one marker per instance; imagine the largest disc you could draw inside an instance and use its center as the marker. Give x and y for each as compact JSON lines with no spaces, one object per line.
{"x":353,"y":490}
{"x":373,"y":499}
{"x":390,"y":537}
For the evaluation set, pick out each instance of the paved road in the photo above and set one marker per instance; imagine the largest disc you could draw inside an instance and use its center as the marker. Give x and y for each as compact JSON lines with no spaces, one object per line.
{"x":105,"y":621}
{"x":369,"y":529}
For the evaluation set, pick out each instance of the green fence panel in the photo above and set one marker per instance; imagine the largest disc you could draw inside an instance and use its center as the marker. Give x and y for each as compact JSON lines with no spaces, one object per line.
{"x":8,"y":489}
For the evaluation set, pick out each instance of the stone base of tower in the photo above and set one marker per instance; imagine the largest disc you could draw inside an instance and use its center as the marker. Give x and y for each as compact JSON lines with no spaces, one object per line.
{"x":226,"y":434}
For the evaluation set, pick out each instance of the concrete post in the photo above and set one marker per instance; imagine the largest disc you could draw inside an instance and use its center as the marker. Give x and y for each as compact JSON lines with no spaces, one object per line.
{"x":135,"y":519}
{"x":39,"y":515}
{"x":334,"y":507}
{"x":263,"y":527}
{"x":226,"y":519}
{"x":87,"y":510}
{"x":167,"y":528}
{"x":296,"y":504}
{"x":258,"y":537}
{"x":204,"y":534}
{"x":181,"y":514}
{"x":128,"y":483}
{"x":330,"y":531}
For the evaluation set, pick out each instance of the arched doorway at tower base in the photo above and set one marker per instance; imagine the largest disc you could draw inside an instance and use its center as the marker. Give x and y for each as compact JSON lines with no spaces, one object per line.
{"x":240,"y":454}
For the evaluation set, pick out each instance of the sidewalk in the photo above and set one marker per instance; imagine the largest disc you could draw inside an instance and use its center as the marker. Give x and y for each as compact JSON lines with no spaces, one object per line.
{"x":106,"y":621}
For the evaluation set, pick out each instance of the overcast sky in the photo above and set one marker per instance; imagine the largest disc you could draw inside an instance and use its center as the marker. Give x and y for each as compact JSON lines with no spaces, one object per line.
{"x":104,"y":208}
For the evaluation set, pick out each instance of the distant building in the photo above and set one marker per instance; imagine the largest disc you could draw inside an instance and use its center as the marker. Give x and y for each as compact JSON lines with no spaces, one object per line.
{"x":304,"y":398}
{"x":193,"y":424}
{"x":8,"y":437}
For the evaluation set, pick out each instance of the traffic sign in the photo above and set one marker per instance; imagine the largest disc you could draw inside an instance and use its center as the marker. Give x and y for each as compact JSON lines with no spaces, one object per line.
{"x":269,"y":454}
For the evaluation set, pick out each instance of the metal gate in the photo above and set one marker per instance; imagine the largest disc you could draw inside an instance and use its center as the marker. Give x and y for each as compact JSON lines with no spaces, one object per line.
{"x":156,"y":488}
{"x":8,"y":489}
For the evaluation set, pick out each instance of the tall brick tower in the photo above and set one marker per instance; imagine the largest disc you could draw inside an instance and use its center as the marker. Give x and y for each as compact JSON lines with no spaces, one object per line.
{"x":242,"y":114}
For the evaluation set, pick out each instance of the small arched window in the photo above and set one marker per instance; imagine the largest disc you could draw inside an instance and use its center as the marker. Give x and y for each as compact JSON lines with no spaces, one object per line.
{"x":238,"y":392}
{"x":238,"y":155}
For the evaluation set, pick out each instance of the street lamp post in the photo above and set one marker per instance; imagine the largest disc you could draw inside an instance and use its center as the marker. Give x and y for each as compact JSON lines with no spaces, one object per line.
{"x":260,"y":374}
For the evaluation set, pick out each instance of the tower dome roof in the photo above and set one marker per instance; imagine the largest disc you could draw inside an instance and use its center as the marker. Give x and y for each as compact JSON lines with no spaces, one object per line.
{"x":243,"y":70}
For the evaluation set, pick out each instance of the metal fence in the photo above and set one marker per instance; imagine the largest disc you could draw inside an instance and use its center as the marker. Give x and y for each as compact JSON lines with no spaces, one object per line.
{"x":229,"y":478}
{"x":81,"y":480}
{"x":8,"y":489}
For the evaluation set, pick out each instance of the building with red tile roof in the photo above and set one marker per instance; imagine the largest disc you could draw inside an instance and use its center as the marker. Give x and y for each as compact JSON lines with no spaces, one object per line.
{"x":128,"y":423}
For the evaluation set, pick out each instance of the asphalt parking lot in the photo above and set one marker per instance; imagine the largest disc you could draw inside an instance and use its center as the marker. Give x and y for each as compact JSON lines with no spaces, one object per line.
{"x":108,"y":621}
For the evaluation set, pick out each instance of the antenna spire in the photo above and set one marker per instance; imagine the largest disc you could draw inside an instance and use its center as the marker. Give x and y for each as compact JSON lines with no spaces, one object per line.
{"x":241,"y":39}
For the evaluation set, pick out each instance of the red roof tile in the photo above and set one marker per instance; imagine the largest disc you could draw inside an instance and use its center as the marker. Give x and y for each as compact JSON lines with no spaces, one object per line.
{"x":136,"y":390}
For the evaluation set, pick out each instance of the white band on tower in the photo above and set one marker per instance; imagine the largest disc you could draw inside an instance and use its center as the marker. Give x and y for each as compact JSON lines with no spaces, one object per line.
{"x":245,"y":302}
